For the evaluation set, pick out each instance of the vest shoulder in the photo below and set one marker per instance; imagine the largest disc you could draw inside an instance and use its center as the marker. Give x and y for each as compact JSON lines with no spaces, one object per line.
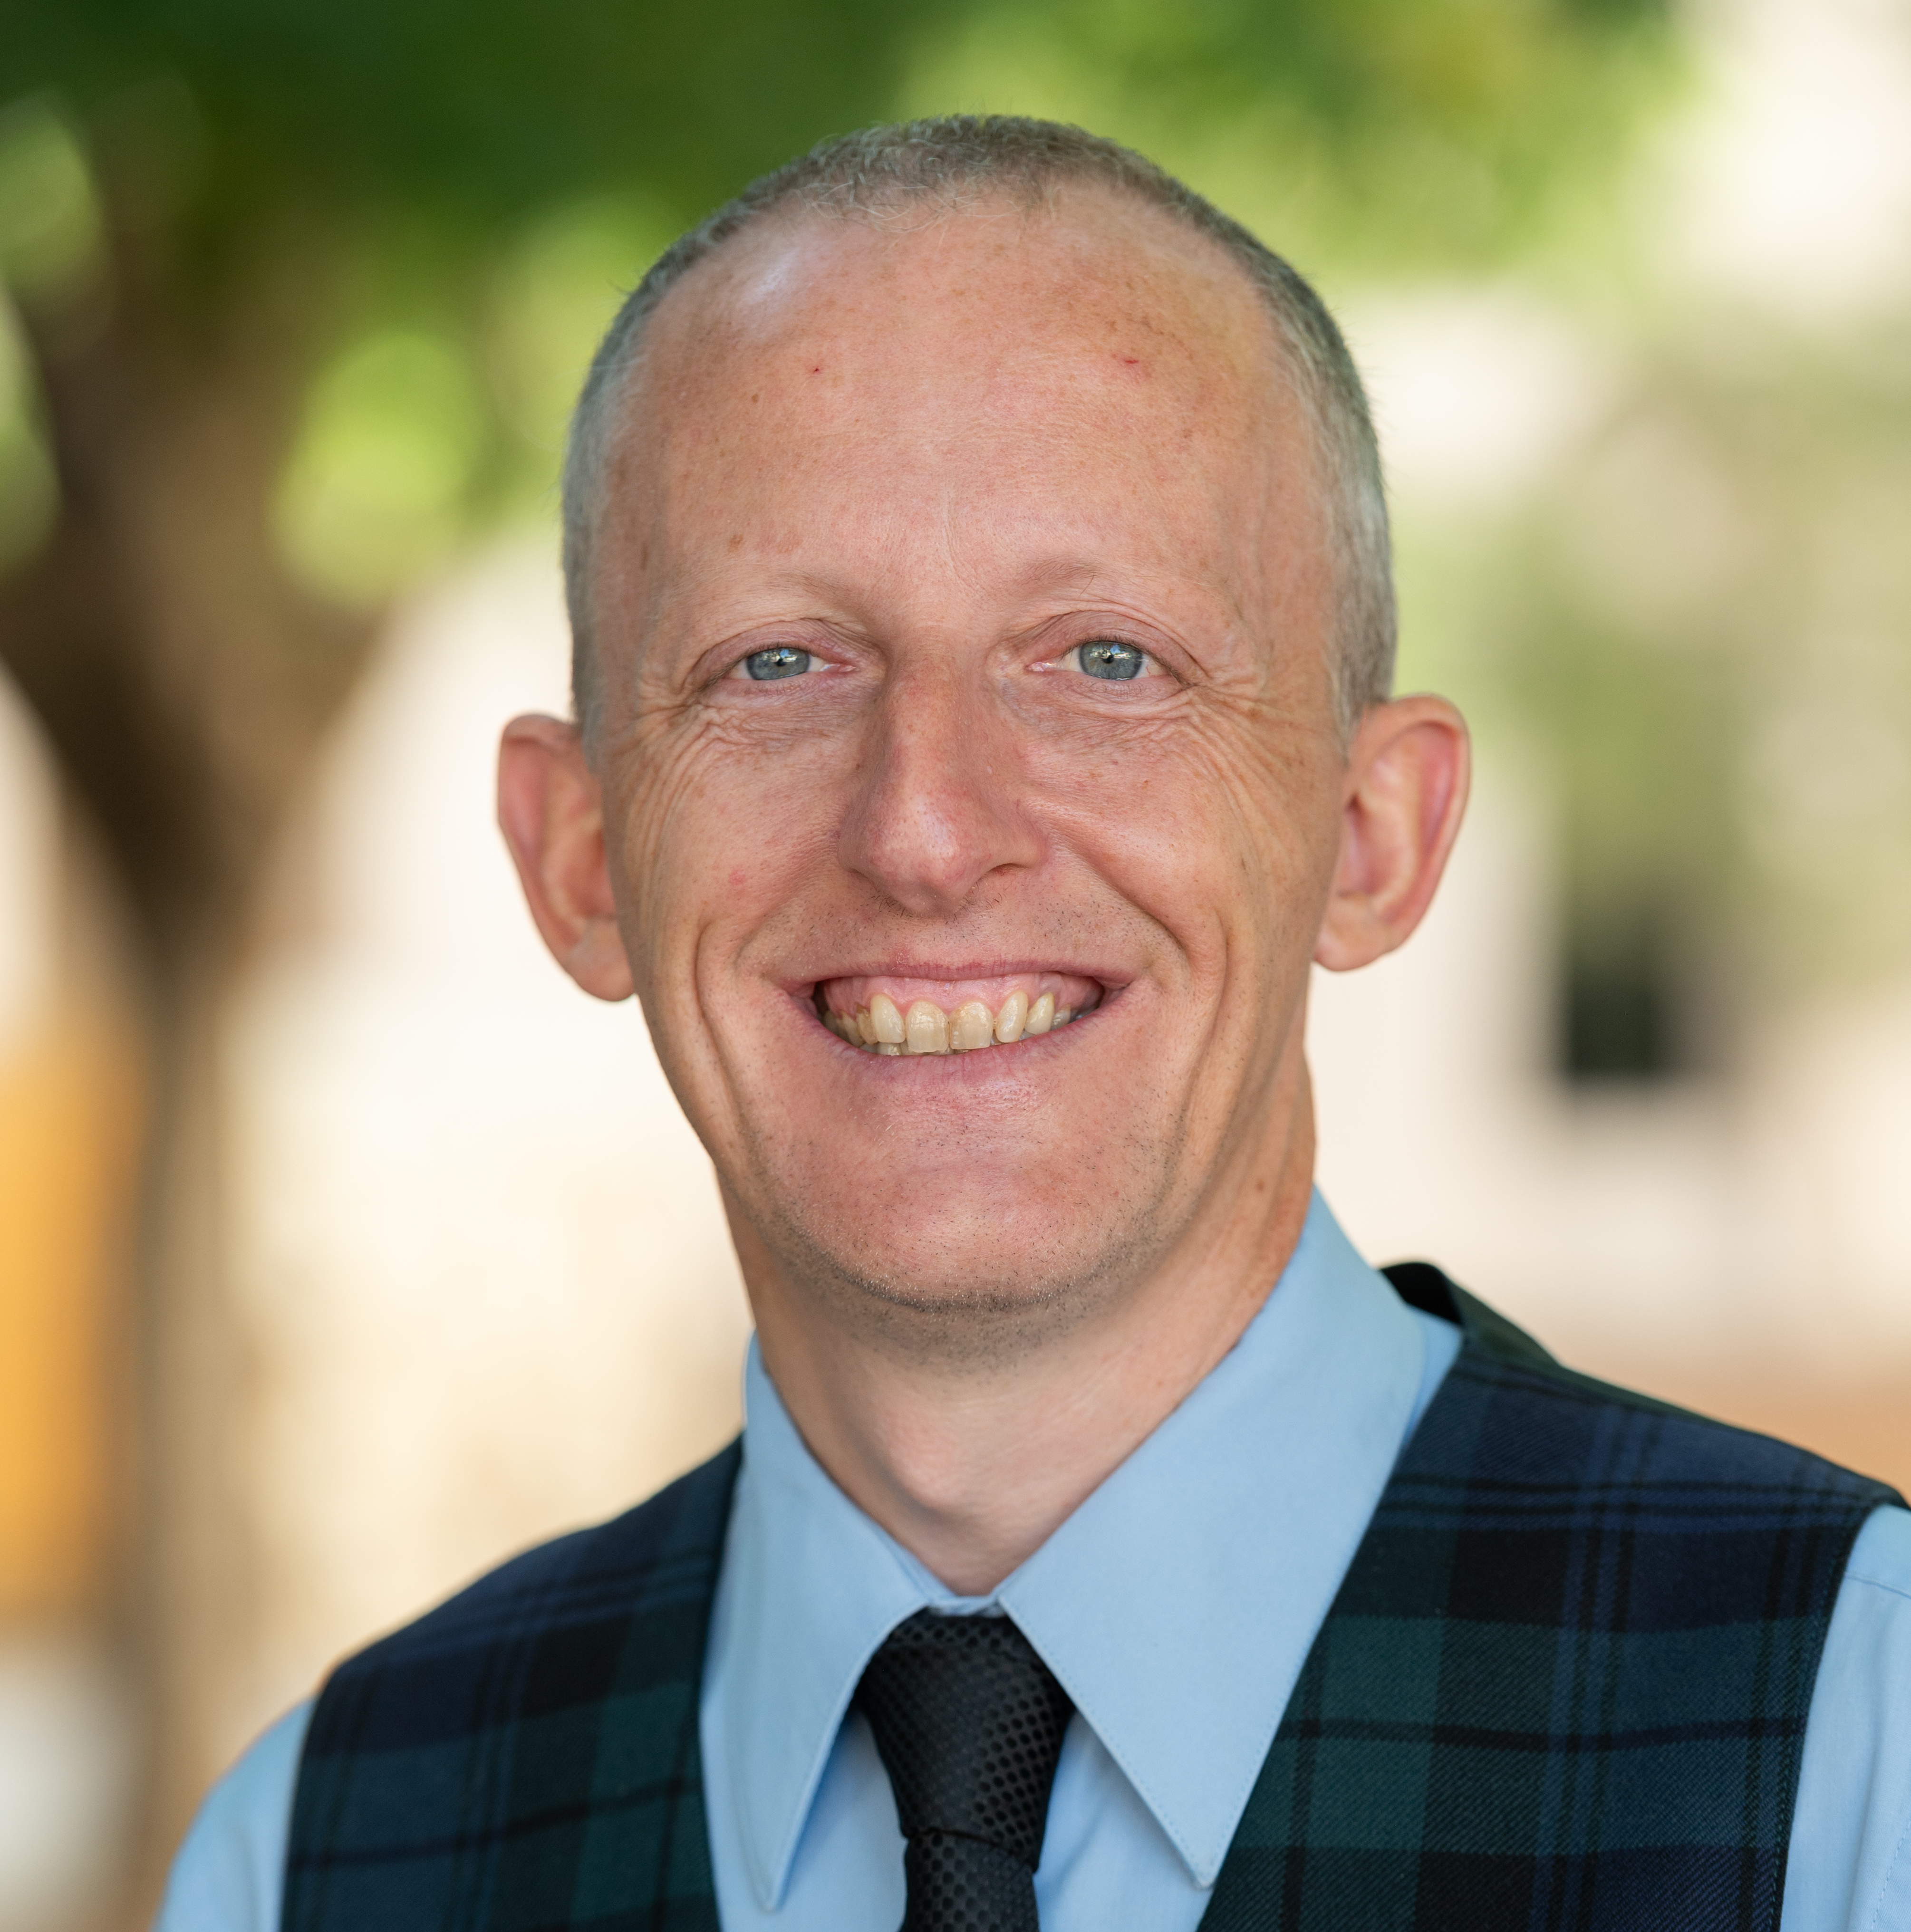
{"x":451,"y":1767}
{"x":1574,"y":1658}
{"x":1685,"y":1445}
{"x":662,"y":1552}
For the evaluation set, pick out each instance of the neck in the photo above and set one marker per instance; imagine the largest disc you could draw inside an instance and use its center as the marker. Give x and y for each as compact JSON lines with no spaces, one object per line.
{"x":972,"y":1463}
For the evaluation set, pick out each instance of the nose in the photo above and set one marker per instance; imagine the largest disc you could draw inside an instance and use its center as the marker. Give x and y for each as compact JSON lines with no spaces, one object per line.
{"x":937,"y":807}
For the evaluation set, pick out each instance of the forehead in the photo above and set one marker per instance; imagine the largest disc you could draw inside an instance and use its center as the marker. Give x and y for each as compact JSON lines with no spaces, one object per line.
{"x":1077,"y":373}
{"x":1086,"y":283}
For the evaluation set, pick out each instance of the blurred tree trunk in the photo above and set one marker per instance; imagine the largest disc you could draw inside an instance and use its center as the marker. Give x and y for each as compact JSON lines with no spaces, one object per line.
{"x":184,"y":682}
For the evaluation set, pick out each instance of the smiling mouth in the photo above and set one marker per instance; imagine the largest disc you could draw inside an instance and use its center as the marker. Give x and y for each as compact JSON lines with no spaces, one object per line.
{"x":900,"y":1020}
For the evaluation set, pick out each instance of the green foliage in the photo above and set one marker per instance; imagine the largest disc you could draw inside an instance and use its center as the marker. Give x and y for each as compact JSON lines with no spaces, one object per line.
{"x":49,"y":237}
{"x":473,"y":114}
{"x":26,"y":480}
{"x":382,"y":467}
{"x":491,"y":176}
{"x":49,"y":219}
{"x":547,"y":299}
{"x":1439,"y":122}
{"x":1372,"y":136}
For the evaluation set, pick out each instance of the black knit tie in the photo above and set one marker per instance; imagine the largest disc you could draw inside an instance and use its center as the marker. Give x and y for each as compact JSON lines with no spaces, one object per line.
{"x":968,"y":1720}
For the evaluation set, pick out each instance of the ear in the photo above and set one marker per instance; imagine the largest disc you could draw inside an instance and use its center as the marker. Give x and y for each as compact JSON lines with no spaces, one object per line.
{"x":1407,"y":775}
{"x":551,"y":813}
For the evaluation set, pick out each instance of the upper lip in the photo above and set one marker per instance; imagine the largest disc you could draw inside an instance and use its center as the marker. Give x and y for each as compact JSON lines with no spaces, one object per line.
{"x":1001,"y":967}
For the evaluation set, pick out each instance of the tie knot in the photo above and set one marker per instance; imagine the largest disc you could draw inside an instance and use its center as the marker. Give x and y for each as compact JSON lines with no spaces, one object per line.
{"x":969,"y":1721}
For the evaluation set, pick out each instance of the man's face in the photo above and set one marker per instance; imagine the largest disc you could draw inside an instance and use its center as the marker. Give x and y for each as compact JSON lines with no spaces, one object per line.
{"x":963,"y":608}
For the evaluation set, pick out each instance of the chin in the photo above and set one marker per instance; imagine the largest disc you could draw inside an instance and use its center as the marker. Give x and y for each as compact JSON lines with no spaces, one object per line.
{"x":979,"y":1257}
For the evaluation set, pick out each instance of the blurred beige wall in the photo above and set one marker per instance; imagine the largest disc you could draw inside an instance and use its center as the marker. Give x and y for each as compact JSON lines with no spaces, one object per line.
{"x":1743,"y":1244}
{"x":475,"y":1254}
{"x":69,"y":1123}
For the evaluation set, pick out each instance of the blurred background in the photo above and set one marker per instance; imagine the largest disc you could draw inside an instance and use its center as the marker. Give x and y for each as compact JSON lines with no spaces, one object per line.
{"x":344,"y":1246}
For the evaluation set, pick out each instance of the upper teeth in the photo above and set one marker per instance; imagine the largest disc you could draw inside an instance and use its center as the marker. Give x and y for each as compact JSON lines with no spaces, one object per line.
{"x":882,"y":1026}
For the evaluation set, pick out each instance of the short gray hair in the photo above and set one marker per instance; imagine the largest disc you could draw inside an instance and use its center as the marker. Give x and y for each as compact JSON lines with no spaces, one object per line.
{"x":949,"y":162}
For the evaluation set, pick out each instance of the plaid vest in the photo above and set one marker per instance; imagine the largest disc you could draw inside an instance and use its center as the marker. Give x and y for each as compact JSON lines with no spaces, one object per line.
{"x":1563,"y":1686}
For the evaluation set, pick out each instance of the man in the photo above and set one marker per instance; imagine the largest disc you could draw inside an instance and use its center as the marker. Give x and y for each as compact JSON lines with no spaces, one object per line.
{"x":979,"y":572}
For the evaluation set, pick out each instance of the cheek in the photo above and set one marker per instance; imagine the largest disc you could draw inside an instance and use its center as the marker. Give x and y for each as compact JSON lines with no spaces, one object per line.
{"x":716,"y":828}
{"x":1222,"y":828}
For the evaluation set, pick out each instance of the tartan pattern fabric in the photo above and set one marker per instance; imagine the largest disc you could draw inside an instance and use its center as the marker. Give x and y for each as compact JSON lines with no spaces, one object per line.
{"x":1562,"y":1688}
{"x":524,"y":1758}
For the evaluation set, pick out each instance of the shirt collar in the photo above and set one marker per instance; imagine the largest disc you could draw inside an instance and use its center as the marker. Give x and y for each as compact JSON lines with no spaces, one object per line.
{"x":1176,"y":1606}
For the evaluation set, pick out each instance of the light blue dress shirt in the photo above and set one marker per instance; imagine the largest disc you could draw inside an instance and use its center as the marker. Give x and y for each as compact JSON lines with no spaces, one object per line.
{"x":1150,"y":1607}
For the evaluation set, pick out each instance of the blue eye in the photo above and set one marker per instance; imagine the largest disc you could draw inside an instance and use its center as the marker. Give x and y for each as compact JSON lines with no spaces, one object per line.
{"x":779,"y":661}
{"x":1109,"y":658}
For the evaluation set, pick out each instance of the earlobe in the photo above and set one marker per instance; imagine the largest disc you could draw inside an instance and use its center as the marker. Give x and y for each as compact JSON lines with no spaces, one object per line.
{"x":551,"y":810}
{"x":1407,"y":777}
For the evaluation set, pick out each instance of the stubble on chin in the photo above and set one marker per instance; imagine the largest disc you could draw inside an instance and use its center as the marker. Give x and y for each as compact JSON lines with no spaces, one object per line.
{"x":958,"y":1295}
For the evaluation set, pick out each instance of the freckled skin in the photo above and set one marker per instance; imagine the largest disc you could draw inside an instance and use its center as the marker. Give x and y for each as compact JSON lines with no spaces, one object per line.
{"x":936,"y":458}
